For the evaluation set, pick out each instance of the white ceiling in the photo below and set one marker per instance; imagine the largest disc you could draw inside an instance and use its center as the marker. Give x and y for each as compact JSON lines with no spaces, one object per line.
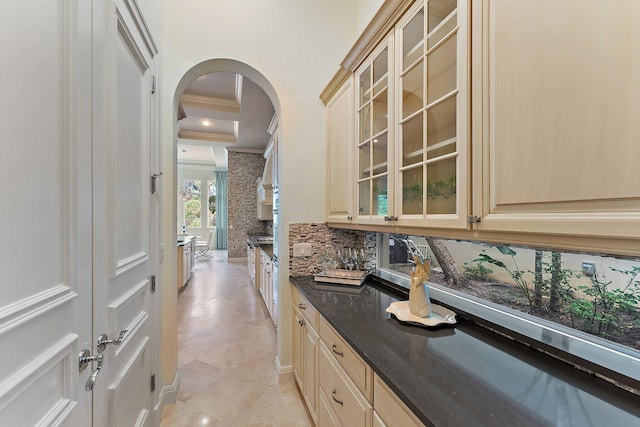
{"x":222,"y":111}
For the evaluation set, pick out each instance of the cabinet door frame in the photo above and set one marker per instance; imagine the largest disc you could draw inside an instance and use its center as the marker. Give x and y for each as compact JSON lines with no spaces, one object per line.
{"x":341,"y":213}
{"x":387,"y":43}
{"x":607,"y":219}
{"x":463,"y":101}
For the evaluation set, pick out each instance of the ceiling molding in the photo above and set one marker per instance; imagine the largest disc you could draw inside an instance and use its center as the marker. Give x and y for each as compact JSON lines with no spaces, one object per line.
{"x":210,"y":103}
{"x":207,"y":136}
{"x":273,"y":125}
{"x":181,"y":113}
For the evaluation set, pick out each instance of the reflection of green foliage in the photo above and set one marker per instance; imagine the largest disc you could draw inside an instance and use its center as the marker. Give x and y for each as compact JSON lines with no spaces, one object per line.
{"x":599,"y":314}
{"x":444,"y":188}
{"x":412,"y":192}
{"x":516,"y":274}
{"x":192,"y":212}
{"x":477,"y":271}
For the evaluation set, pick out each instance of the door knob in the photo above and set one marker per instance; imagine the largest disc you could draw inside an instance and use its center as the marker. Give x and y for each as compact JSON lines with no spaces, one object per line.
{"x":103,"y":341}
{"x":84,"y":358}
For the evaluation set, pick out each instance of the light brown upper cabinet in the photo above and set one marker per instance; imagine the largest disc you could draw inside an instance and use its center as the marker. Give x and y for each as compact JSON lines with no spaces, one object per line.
{"x":556,"y":126}
{"x":374,"y":136}
{"x":431,"y":71}
{"x":340,"y":136}
{"x":495,"y":120}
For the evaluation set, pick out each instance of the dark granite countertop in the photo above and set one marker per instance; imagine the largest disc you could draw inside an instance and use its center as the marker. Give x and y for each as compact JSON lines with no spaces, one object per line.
{"x":464,"y":374}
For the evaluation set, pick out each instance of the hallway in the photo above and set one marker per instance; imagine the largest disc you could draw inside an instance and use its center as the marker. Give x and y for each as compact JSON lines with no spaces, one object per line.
{"x":226,"y":354}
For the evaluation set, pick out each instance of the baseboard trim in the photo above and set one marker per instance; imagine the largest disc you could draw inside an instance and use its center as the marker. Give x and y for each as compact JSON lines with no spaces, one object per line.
{"x":285,"y":373}
{"x":168,"y":394}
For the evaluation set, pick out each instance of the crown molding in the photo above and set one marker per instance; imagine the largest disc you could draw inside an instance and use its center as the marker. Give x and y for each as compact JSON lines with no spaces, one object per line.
{"x":210,"y":103}
{"x":207,"y":136}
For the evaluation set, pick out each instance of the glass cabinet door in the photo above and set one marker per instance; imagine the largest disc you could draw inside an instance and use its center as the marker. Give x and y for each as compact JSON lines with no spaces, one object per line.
{"x":373,"y":140}
{"x":432,"y":73}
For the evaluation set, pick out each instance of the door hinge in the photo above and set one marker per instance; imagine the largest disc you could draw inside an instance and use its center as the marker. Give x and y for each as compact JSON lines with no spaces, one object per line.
{"x":154,"y":178}
{"x":153,"y":84}
{"x":473,"y":219}
{"x":152,"y":279}
{"x":153,"y":383}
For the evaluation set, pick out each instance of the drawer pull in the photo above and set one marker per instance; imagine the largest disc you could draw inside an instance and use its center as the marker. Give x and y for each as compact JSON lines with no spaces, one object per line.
{"x":301,"y":322}
{"x":339,"y":353}
{"x":301,"y":306}
{"x":333,"y":395}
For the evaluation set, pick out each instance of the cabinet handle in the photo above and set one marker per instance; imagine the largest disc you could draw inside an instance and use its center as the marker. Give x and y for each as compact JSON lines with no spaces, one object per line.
{"x":301,"y":322}
{"x":339,"y":353}
{"x":333,"y":395}
{"x":301,"y":306}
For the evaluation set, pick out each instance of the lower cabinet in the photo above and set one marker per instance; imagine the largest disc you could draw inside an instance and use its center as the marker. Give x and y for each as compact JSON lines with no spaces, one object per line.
{"x":185,"y":261}
{"x":305,"y":352}
{"x":339,"y":388}
{"x":346,"y":403}
{"x":390,"y":410}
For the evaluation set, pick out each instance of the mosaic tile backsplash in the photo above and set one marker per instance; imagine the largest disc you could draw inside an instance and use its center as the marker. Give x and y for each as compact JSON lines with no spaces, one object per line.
{"x":323,"y":238}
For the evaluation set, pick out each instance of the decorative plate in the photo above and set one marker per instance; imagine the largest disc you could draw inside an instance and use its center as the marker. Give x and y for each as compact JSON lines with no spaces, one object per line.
{"x":438,"y":315}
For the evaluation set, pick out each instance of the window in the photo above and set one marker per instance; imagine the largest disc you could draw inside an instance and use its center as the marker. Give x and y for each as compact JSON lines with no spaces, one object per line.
{"x":581,"y":304}
{"x":192,"y":207}
{"x":211,"y":212}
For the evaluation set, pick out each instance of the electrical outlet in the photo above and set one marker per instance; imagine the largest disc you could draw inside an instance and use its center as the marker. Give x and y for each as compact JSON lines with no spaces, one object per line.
{"x":301,"y":249}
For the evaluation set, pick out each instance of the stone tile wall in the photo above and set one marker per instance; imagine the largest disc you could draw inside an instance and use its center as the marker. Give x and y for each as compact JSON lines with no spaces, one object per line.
{"x":323,"y":238}
{"x":244,"y":170}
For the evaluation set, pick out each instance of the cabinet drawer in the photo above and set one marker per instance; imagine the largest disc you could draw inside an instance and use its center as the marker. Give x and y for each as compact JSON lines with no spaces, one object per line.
{"x":307,"y":310}
{"x":358,"y":369}
{"x":392,"y":411}
{"x":326,"y":417}
{"x":350,"y":407}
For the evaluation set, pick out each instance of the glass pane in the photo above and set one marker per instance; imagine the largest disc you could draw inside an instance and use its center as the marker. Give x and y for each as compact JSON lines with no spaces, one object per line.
{"x":365,"y":123}
{"x":412,"y":90}
{"x":412,"y":149}
{"x":380,"y":154}
{"x":441,"y":129}
{"x":441,"y":70}
{"x":211,"y":214}
{"x":380,"y":69}
{"x":192,"y":207}
{"x":365,"y":86}
{"x":364,"y":160}
{"x":380,"y":196}
{"x":438,"y":10}
{"x":364,"y":205}
{"x":413,"y":40}
{"x":380,"y":113}
{"x":412,"y":191}
{"x":441,"y":187}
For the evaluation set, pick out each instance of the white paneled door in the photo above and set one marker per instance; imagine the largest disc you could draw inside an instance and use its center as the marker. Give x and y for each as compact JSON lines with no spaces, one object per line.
{"x":77,"y":124}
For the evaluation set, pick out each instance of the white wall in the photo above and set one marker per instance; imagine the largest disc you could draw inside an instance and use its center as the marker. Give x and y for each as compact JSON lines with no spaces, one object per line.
{"x":296,"y":47}
{"x":366,"y":10}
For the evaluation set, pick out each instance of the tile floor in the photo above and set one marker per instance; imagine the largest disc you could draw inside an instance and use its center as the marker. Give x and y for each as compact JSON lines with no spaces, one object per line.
{"x":226,"y":354}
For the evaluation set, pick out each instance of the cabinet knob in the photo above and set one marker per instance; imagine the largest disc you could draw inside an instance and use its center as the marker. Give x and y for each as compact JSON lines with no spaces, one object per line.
{"x":301,"y":306}
{"x":301,"y":322}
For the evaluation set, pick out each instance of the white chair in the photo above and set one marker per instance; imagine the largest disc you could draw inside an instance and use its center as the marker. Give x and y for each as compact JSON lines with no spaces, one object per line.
{"x":203,"y":247}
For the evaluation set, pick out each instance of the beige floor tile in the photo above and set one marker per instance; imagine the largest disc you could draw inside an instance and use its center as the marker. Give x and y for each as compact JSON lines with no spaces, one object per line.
{"x":226,"y":354}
